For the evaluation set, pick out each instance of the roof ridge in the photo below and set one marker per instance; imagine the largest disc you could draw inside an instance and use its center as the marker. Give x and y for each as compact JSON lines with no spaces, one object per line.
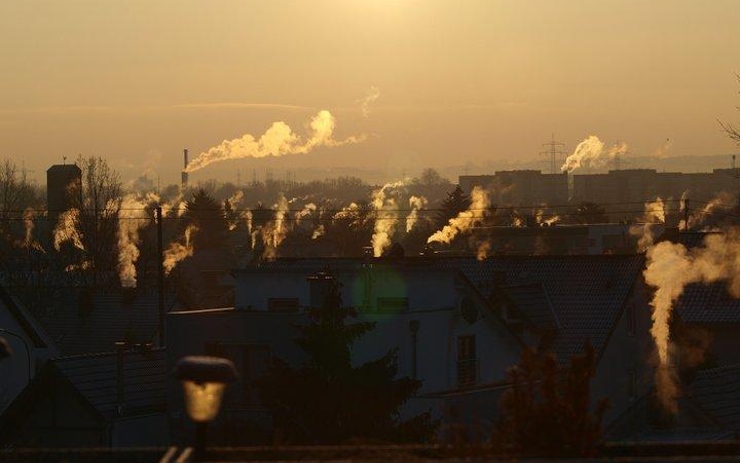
{"x":130,"y":350}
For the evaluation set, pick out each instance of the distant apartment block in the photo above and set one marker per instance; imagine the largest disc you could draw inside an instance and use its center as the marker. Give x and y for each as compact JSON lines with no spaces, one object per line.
{"x":533,"y":188}
{"x":520,"y":187}
{"x":637,"y":185}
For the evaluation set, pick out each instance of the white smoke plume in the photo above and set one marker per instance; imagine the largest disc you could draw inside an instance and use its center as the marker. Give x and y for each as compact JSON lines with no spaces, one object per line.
{"x":655,"y":212}
{"x":663,"y":150}
{"x":66,"y":230}
{"x":417,"y":203}
{"x":718,"y":208}
{"x":278,"y":140}
{"x":178,"y":251}
{"x":670,"y":267}
{"x":372,"y":95}
{"x":541,"y":217}
{"x":28,"y":240}
{"x":386,"y":216}
{"x":477,"y":211}
{"x":132,"y":217}
{"x":319,"y":232}
{"x":590,"y":153}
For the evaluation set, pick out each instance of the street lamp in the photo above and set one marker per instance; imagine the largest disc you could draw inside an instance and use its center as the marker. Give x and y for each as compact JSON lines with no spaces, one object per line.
{"x":204,"y":380}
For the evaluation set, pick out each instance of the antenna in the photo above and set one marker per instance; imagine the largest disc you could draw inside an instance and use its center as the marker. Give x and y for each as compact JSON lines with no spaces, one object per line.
{"x":556,"y":149}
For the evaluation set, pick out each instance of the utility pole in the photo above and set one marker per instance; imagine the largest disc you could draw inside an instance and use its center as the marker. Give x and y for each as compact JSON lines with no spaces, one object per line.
{"x":555,"y":150}
{"x":160,"y":276}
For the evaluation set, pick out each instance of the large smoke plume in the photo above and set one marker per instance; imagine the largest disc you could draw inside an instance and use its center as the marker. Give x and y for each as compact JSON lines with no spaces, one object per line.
{"x":590,"y":153}
{"x":386,"y":216}
{"x":278,"y":140}
{"x":670,"y":267}
{"x":131,"y":218}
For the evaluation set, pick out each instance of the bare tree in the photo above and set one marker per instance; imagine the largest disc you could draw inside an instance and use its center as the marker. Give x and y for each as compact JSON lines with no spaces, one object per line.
{"x":732,"y":131}
{"x":98,"y":218}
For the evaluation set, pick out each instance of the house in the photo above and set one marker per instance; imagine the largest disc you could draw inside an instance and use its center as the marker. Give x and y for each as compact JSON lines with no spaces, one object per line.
{"x":458,"y":324}
{"x":29,"y":342}
{"x":113,"y":399}
{"x":83,"y":322}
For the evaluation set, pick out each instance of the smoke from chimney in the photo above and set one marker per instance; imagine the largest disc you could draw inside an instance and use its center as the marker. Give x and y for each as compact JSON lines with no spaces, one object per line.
{"x":278,"y":140}
{"x":590,"y":152}
{"x":670,"y":267}
{"x":386,"y":216}
{"x":372,"y":95}
{"x":478,"y":210}
{"x":417,"y":203}
{"x":131,"y":219}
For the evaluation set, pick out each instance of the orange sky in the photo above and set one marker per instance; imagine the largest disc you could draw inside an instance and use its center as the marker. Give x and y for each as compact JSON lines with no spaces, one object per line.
{"x":477,"y":81}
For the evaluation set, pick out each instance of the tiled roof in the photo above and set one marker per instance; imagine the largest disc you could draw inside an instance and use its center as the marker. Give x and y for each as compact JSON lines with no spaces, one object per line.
{"x":96,"y":378}
{"x":534,"y":303}
{"x":717,"y":390}
{"x":708,"y":303}
{"x":109,"y":319}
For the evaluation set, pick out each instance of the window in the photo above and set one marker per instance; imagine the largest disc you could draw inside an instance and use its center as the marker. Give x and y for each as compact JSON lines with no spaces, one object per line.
{"x":283,"y":304}
{"x":467,"y":361}
{"x":393,"y":304}
{"x":251,"y":362}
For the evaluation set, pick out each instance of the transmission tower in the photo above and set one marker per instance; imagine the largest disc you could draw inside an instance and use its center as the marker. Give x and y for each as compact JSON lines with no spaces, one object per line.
{"x":555,"y":151}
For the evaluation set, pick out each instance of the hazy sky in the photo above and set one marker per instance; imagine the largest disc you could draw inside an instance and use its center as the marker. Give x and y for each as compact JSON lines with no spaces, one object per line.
{"x":478,"y":81}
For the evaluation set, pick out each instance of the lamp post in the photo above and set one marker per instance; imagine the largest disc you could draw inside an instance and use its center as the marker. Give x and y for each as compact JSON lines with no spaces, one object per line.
{"x":204,"y":380}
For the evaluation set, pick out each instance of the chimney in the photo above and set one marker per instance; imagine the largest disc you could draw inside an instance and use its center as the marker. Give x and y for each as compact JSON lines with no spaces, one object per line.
{"x":185,"y":166}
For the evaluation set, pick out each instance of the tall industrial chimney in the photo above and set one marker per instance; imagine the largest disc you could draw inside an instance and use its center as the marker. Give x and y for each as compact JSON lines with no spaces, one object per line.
{"x":184,"y":184}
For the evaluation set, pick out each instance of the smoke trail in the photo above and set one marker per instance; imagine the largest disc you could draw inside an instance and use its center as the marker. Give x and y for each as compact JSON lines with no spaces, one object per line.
{"x":670,"y":267}
{"x":417,"y":203}
{"x":66,"y":230}
{"x":179,"y":251}
{"x":477,"y":211}
{"x":386,"y":217}
{"x":320,"y":231}
{"x":663,"y":150}
{"x":539,"y":216}
{"x":713,"y":212}
{"x":655,"y":212}
{"x":590,"y":152}
{"x":131,"y":219}
{"x":372,"y":95}
{"x":278,"y":140}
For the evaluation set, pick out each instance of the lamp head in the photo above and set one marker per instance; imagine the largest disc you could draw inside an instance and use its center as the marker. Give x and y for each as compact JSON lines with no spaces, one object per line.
{"x":204,"y":380}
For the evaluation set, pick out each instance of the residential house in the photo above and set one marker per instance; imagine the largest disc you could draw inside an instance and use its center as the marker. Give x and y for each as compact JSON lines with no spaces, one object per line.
{"x":30,"y":344}
{"x":113,"y":399}
{"x":458,"y":324}
{"x":84,"y":322}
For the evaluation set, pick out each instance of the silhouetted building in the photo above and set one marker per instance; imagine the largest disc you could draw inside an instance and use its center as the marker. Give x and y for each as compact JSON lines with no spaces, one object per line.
{"x":63,"y":188}
{"x":638,"y":185}
{"x":520,"y":187}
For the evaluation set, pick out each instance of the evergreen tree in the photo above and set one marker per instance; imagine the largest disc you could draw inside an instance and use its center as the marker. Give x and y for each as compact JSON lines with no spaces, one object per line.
{"x":208,"y":216}
{"x":329,"y":401}
{"x":455,"y":202}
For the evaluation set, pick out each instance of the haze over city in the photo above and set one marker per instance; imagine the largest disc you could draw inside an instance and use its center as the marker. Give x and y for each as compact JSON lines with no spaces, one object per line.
{"x":410,"y":84}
